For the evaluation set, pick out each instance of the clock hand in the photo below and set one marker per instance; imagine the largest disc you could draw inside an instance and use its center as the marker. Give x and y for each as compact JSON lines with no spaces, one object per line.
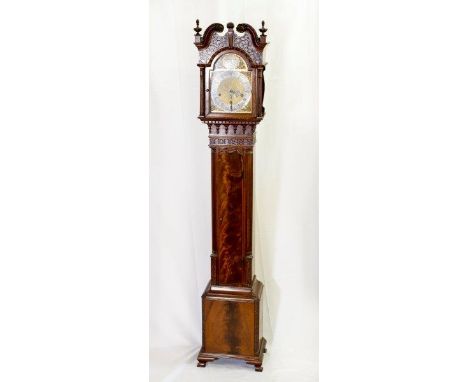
{"x":234,"y":92}
{"x":231,"y":95}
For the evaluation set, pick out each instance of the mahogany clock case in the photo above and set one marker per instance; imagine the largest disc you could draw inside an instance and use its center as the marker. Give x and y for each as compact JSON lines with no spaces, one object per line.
{"x":232,"y":301}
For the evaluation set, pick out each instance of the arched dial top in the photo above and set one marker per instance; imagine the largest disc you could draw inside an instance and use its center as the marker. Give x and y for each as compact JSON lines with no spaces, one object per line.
{"x":231,"y":85}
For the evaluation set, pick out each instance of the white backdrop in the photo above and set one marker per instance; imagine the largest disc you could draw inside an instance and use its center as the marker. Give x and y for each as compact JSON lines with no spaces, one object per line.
{"x":285,"y":201}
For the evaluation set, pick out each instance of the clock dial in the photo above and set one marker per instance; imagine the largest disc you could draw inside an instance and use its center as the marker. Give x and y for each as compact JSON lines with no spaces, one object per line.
{"x":231,"y":85}
{"x":230,"y":90}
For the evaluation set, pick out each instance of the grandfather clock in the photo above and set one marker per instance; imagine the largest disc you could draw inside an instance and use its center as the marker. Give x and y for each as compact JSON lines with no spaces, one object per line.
{"x":231,"y":105}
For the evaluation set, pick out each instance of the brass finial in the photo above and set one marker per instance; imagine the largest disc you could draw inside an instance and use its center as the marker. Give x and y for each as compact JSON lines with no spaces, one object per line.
{"x":197,"y":28}
{"x":263,"y":29}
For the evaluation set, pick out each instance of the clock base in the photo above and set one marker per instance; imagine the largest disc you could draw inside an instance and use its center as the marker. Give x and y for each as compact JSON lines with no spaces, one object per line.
{"x":232,"y":324}
{"x":257,"y":360}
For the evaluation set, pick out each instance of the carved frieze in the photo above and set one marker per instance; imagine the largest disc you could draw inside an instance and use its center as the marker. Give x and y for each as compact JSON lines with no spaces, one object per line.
{"x":231,"y":135}
{"x":232,"y":141}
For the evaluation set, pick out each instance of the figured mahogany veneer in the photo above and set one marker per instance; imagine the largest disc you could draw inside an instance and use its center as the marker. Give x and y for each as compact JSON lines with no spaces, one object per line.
{"x":232,"y":301}
{"x":232,"y":216}
{"x":232,"y":325}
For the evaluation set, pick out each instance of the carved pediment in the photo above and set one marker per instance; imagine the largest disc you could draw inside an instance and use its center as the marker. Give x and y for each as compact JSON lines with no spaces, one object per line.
{"x":213,"y":42}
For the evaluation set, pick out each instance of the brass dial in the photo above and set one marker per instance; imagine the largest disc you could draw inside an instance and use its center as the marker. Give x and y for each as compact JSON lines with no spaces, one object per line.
{"x":231,"y":85}
{"x":230,"y":90}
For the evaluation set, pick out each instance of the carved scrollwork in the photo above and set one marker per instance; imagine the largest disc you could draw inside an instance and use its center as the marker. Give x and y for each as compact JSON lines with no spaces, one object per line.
{"x":245,"y":43}
{"x":217,"y":42}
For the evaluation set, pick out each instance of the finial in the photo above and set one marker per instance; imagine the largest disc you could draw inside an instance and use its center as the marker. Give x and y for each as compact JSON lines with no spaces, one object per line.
{"x":263,"y":29}
{"x":197,"y":28}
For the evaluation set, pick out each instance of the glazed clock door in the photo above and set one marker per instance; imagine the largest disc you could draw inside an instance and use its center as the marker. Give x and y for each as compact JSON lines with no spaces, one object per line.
{"x":231,"y":85}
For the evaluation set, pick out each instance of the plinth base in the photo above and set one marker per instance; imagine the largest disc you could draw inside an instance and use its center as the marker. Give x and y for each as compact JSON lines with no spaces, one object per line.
{"x":256,"y":360}
{"x":232,"y":324}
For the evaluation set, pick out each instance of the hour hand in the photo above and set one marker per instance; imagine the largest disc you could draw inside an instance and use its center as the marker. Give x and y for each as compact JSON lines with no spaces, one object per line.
{"x":237,"y":93}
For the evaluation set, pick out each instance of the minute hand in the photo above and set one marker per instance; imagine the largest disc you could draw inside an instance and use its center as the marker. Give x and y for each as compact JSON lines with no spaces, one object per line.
{"x":236,"y":93}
